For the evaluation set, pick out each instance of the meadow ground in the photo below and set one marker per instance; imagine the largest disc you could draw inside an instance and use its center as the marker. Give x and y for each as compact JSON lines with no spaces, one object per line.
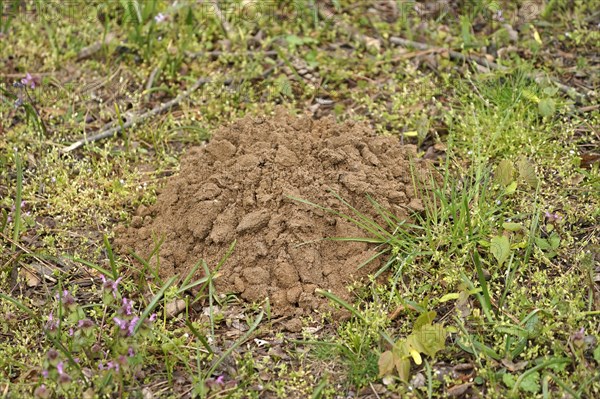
{"x":490,"y":291}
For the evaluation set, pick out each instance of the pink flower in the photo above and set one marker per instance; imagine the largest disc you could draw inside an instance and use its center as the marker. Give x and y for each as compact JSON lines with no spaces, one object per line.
{"x":28,"y":80}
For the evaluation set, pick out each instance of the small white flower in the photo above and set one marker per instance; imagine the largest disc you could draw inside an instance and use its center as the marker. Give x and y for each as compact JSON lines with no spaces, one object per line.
{"x":160,"y":17}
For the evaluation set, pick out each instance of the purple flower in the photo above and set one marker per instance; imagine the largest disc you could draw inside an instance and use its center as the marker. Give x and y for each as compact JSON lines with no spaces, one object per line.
{"x":127,"y":307}
{"x":64,"y":378}
{"x":52,"y":355}
{"x":579,"y":335}
{"x":160,"y":18}
{"x":132,"y":325}
{"x":123,"y":324}
{"x":131,"y":352}
{"x":68,"y":301}
{"x":100,"y":366}
{"x":152,"y":317}
{"x":553,"y":217}
{"x":51,"y":324}
{"x":112,"y":365}
{"x":45,"y":373}
{"x":85,"y":324}
{"x":60,"y":367}
{"x":110,"y":285}
{"x":41,"y":392}
{"x":28,"y":80}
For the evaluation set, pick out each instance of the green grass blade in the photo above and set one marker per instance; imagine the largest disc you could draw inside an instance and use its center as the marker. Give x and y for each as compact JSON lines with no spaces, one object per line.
{"x":487,"y":302}
{"x":236,"y":344}
{"x":99,"y":269}
{"x":18,"y":304}
{"x":111,"y":258}
{"x":153,"y":303}
{"x":18,"y":200}
{"x":340,"y":302}
{"x":199,"y":336}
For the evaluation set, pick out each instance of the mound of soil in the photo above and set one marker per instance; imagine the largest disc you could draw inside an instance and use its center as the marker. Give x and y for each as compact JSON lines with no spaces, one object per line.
{"x":238,"y":187}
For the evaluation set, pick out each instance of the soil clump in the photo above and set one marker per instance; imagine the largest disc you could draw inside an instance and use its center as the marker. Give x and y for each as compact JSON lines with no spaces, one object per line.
{"x":239,"y":187}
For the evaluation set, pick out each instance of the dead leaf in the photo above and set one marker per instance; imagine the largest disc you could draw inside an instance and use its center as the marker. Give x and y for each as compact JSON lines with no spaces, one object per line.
{"x":174,"y":308}
{"x":31,"y":279}
{"x":458,"y":390}
{"x":512,"y":367}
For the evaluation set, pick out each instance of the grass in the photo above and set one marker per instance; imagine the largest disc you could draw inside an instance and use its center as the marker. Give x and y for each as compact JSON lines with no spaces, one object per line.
{"x":500,"y":268}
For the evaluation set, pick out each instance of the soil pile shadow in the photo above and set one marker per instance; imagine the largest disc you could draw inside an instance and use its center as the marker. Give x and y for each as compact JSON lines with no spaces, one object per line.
{"x":238,"y":187}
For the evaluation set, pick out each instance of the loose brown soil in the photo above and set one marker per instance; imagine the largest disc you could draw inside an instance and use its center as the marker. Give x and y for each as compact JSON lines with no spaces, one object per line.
{"x":238,"y":187}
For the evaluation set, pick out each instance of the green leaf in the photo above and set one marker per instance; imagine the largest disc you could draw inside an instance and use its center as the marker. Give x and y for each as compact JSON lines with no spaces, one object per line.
{"x":424,"y":319}
{"x":551,"y":91}
{"x":554,"y":240}
{"x":527,"y":172}
{"x":432,"y":339}
{"x":508,"y":380}
{"x":597,"y":354}
{"x":542,"y":243}
{"x":449,"y":297}
{"x":547,"y":107}
{"x":500,"y":248}
{"x":511,"y":188}
{"x":531,"y":383}
{"x":504,"y":173}
{"x":386,"y":364}
{"x":510,"y":226}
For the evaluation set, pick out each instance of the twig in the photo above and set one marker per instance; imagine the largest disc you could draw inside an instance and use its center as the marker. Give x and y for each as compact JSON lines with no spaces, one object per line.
{"x":150,"y":81}
{"x":455,"y":55}
{"x":222,"y":18}
{"x":114,"y":127}
{"x":133,"y":120}
{"x":218,"y":53}
{"x":367,"y":41}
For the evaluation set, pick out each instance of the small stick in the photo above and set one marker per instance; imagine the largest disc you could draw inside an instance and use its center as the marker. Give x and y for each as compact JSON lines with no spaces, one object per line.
{"x":114,"y":127}
{"x":218,"y":53}
{"x":222,"y":19}
{"x":109,"y":132}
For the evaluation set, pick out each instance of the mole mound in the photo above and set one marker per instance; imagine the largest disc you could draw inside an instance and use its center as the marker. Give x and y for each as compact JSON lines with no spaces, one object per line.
{"x":238,"y":187}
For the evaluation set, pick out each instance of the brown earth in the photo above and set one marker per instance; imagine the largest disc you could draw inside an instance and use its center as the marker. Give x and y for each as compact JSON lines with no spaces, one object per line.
{"x":238,"y":187}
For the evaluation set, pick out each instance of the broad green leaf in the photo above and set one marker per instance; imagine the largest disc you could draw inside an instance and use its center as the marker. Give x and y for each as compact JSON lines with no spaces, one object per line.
{"x":450,"y":297}
{"x":551,"y":91}
{"x":554,"y":240}
{"x":547,"y":107}
{"x":402,"y":360}
{"x":431,"y":339}
{"x":386,"y":363}
{"x":504,"y":172}
{"x":531,"y":383}
{"x":424,"y":319}
{"x":527,"y":172}
{"x":597,"y":354}
{"x":500,"y":248}
{"x":511,"y":188}
{"x":542,"y":243}
{"x":403,"y":368}
{"x":508,"y":380}
{"x":510,"y":226}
